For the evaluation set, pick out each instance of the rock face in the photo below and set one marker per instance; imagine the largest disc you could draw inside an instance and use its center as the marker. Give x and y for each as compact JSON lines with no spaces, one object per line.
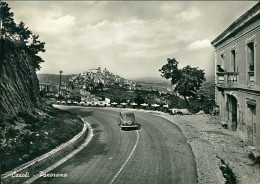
{"x":19,"y":86}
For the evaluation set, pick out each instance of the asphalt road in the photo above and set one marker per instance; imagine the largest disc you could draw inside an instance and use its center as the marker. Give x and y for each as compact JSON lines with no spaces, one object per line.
{"x":156,"y":153}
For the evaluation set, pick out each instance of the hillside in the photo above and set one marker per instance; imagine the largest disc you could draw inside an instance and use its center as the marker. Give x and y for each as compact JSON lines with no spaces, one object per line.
{"x":19,"y":85}
{"x":53,"y":78}
{"x":98,"y":78}
{"x":208,"y":87}
{"x":162,"y":84}
{"x":29,"y":126}
{"x":151,"y":80}
{"x":155,"y":83}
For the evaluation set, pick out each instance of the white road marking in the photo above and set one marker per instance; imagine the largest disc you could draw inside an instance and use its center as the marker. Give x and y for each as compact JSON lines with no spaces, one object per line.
{"x":128,"y":158}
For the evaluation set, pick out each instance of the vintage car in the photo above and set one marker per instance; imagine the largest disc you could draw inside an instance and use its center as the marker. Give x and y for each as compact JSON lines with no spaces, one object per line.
{"x":127,"y":120}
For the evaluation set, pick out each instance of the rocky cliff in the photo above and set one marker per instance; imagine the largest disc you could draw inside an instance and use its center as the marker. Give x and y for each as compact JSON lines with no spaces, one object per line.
{"x":19,"y":86}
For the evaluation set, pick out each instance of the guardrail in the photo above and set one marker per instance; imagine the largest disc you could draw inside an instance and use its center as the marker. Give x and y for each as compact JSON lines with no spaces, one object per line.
{"x":33,"y":167}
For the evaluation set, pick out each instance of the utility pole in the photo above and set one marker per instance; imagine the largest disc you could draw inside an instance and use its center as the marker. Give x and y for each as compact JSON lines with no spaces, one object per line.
{"x":60,"y":83}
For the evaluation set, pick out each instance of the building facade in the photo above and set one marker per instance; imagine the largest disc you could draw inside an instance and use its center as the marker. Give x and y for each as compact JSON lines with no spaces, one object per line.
{"x":237,"y":76}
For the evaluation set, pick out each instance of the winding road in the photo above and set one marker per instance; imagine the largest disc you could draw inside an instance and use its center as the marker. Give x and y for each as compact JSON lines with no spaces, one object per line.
{"x":156,"y":153}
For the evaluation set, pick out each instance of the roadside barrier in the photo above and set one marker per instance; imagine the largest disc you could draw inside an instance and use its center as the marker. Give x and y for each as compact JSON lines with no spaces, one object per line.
{"x":33,"y":167}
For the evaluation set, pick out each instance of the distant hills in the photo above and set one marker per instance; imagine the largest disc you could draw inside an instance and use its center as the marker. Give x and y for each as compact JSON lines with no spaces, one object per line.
{"x":159,"y":82}
{"x":151,"y":80}
{"x":209,"y":85}
{"x":209,"y":79}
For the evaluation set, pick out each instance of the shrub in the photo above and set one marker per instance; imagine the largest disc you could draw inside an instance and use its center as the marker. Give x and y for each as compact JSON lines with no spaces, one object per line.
{"x":256,"y":160}
{"x":228,"y":173}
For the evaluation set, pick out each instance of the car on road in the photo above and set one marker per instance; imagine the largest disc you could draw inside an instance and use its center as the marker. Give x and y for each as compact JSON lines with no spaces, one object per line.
{"x":127,"y":120}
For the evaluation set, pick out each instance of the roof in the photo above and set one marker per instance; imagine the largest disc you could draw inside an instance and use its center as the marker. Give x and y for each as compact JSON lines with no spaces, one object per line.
{"x":250,"y":16}
{"x":128,"y":112}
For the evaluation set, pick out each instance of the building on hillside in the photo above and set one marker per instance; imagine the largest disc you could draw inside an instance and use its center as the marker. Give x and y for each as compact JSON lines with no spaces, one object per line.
{"x":49,"y":89}
{"x":237,"y":76}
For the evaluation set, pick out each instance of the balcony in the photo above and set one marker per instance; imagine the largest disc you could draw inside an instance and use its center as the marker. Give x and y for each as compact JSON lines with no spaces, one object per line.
{"x":227,"y":78}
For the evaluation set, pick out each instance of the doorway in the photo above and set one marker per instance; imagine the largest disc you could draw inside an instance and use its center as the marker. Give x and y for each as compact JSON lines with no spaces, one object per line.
{"x":251,"y":124}
{"x":232,"y":115}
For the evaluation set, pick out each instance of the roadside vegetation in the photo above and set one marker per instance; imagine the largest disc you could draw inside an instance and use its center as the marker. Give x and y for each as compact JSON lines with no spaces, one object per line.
{"x":30,"y":135}
{"x":228,"y":173}
{"x":256,"y":160}
{"x":119,"y":95}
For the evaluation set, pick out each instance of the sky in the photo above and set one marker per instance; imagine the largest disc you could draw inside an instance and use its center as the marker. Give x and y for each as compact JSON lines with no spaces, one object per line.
{"x":132,"y":39}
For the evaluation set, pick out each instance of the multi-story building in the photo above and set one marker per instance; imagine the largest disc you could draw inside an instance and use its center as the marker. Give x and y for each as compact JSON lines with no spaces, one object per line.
{"x":237,"y":77}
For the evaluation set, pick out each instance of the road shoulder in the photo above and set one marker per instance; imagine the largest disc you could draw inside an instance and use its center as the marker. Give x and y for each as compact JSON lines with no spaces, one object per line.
{"x":210,"y":142}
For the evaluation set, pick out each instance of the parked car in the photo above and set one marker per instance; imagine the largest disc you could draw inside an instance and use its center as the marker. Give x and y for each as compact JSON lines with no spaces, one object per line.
{"x":75,"y":103}
{"x":103,"y":104}
{"x":94,"y":103}
{"x":81,"y":103}
{"x":127,"y":120}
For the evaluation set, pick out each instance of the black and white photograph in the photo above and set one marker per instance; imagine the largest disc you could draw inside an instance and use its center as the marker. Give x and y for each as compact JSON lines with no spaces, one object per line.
{"x":130,"y":92}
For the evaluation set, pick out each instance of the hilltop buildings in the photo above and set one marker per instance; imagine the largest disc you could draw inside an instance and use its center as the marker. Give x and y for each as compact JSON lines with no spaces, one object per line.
{"x":237,"y":77}
{"x":81,"y":87}
{"x":98,"y":79}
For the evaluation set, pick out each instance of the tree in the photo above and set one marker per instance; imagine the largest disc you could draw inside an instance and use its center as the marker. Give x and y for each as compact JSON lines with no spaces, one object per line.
{"x":139,"y":99}
{"x":21,"y":33}
{"x":171,"y":71}
{"x":187,"y":80}
{"x":100,"y":86}
{"x":8,"y":26}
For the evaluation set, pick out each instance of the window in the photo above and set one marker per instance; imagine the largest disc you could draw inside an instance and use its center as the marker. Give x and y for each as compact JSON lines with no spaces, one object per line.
{"x":250,"y":56}
{"x":251,"y":62}
{"x":129,"y":115}
{"x":222,"y":61}
{"x":233,"y":61}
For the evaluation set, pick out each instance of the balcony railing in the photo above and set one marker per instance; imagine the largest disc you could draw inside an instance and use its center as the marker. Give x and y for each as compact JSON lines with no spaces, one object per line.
{"x":227,"y":78}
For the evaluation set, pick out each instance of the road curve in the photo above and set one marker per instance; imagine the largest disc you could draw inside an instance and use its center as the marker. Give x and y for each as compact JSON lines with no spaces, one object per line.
{"x":157,"y":153}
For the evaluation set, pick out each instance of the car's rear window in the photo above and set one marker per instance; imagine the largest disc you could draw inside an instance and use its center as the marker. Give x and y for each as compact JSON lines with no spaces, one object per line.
{"x":129,"y":115}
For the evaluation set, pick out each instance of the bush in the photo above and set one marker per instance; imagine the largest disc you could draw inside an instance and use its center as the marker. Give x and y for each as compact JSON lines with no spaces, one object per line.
{"x":41,"y":135}
{"x":256,"y":160}
{"x":228,"y":173}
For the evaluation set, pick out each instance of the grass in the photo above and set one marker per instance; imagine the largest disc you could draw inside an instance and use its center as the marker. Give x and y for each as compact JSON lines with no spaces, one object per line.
{"x":30,"y":135}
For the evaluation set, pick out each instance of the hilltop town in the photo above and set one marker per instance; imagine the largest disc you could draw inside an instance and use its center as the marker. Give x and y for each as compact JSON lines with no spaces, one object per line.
{"x":80,"y":87}
{"x":93,"y":85}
